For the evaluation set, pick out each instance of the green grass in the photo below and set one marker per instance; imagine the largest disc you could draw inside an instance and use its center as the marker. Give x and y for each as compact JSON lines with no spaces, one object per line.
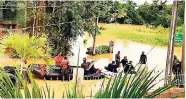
{"x":138,"y":33}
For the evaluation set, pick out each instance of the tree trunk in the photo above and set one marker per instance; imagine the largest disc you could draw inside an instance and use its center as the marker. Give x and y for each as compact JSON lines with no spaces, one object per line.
{"x":40,"y":17}
{"x":94,"y":38}
{"x":170,"y":52}
{"x":33,"y":26}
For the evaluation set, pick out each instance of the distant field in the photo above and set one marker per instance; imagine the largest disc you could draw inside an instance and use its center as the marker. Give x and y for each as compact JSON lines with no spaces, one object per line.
{"x":137,"y":33}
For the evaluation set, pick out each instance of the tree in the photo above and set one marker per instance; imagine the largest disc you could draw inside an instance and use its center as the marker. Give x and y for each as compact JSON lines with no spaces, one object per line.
{"x":64,"y":32}
{"x":100,"y":9}
{"x":132,"y":13}
{"x":92,"y":10}
{"x":83,"y":13}
{"x":26,"y":47}
{"x":35,"y":16}
{"x":159,"y":13}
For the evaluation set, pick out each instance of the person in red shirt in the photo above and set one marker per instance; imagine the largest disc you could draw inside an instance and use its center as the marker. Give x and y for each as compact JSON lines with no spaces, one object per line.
{"x":64,"y":63}
{"x":43,"y":70}
{"x":58,"y":60}
{"x":65,"y":68}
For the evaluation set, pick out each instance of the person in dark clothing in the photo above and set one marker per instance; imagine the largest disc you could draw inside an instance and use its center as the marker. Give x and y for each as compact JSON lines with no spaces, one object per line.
{"x":112,"y":67}
{"x":84,"y":65}
{"x":143,"y":58}
{"x":124,"y":61}
{"x":117,"y":58}
{"x":129,"y":67}
{"x":176,"y":69}
{"x":88,"y":67}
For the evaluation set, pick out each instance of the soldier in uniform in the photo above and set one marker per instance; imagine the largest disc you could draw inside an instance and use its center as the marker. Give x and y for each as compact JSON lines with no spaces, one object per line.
{"x":143,"y":58}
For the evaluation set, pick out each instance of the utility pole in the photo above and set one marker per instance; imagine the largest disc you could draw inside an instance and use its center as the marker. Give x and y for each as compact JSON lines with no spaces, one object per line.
{"x":183,"y":50}
{"x":170,"y":52}
{"x":94,"y":37}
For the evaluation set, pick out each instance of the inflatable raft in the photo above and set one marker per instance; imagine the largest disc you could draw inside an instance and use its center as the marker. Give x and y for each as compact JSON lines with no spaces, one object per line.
{"x":109,"y":74}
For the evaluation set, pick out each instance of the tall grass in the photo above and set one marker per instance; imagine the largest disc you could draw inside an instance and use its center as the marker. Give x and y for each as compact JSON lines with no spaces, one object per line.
{"x":133,"y":87}
{"x":121,"y":87}
{"x":9,"y":90}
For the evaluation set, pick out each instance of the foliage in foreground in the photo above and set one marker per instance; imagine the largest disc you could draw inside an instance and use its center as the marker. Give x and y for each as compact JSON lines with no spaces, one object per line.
{"x":125,"y":87}
{"x":136,"y":86}
{"x":9,"y":90}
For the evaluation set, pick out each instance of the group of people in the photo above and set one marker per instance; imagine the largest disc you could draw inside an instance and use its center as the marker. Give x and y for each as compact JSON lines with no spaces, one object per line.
{"x":62,"y":61}
{"x":127,"y":65}
{"x":89,"y":68}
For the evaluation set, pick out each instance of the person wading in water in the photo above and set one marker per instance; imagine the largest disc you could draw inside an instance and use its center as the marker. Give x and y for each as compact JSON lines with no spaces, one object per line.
{"x":143,"y":58}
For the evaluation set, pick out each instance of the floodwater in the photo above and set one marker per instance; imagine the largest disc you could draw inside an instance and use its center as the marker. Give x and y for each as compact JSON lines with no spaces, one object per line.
{"x":156,"y":56}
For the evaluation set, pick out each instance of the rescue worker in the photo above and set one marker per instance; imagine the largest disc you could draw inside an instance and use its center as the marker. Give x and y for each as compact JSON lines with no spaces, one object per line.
{"x":88,"y":67}
{"x":129,"y":67}
{"x":143,"y":58}
{"x":65,"y":63}
{"x":58,"y":60}
{"x":124,"y":61}
{"x":85,"y":66}
{"x":112,"y":67}
{"x":65,"y":68}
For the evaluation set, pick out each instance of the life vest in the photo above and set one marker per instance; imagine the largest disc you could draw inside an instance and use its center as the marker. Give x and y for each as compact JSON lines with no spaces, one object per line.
{"x":58,"y":60}
{"x":98,"y":71}
{"x":43,"y":66}
{"x":64,"y":64}
{"x":43,"y":70}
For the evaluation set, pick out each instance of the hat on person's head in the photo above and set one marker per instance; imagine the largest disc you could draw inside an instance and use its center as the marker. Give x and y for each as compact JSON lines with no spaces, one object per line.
{"x":175,"y":56}
{"x":84,"y":59}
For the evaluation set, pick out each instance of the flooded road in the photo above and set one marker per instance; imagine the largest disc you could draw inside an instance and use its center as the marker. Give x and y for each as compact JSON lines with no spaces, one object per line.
{"x":156,"y":57}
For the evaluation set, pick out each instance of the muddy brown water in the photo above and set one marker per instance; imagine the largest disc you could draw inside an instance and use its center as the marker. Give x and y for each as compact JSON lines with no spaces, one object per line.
{"x":156,"y":57}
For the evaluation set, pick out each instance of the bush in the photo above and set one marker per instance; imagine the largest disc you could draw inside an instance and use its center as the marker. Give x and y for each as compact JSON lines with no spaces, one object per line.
{"x":103,"y":49}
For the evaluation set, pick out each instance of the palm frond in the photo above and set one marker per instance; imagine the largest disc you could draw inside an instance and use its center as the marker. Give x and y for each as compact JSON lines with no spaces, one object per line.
{"x":26,"y":46}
